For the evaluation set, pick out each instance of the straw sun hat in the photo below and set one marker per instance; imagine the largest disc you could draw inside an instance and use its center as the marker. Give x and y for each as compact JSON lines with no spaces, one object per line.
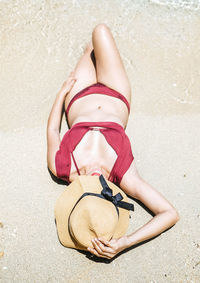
{"x":91,"y":207}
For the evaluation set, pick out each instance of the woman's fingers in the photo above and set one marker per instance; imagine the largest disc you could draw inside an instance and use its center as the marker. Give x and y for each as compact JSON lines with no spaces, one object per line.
{"x":105,"y":242}
{"x":72,"y":81}
{"x":93,"y":251}
{"x":108,"y":249}
{"x":72,"y":74}
{"x":99,"y":246}
{"x":69,"y":83}
{"x":100,"y":249}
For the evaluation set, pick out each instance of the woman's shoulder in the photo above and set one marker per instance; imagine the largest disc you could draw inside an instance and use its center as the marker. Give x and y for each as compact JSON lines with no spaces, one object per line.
{"x":130,"y":180}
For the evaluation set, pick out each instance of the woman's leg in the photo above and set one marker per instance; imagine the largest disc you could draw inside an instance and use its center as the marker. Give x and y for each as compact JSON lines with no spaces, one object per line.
{"x":85,"y":73}
{"x":109,"y":66}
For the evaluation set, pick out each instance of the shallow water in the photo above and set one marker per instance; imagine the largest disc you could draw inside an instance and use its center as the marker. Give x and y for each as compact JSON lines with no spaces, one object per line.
{"x":160,"y":44}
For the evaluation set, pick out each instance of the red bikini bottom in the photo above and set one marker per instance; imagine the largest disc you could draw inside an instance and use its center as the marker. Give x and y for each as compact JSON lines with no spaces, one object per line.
{"x":100,"y":89}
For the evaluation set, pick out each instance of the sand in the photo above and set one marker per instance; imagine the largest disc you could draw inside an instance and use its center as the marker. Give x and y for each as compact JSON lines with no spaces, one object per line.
{"x":160,"y":45}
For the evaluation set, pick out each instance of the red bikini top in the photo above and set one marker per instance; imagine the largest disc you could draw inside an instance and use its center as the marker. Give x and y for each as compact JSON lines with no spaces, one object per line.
{"x":114,"y":135}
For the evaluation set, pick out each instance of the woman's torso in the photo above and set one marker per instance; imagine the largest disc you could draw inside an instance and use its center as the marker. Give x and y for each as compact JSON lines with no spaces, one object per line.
{"x":93,"y":150}
{"x":97,"y":108}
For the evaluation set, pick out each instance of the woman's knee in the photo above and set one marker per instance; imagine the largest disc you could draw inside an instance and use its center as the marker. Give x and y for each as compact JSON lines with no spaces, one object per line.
{"x":100,"y":29}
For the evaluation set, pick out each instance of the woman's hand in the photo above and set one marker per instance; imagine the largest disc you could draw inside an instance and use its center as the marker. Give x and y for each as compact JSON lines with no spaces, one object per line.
{"x":108,"y":249}
{"x":68,"y":84}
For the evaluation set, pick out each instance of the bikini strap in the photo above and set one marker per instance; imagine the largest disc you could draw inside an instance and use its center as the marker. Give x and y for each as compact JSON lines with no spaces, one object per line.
{"x":75,"y":164}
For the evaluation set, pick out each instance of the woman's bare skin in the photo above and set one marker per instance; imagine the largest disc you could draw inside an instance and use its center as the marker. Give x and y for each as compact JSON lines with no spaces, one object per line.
{"x":93,"y":154}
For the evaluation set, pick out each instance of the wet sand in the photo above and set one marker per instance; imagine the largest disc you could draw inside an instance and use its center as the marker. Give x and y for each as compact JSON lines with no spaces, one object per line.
{"x":40,"y":44}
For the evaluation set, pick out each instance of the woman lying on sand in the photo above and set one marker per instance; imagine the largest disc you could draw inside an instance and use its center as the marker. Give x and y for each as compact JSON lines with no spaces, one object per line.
{"x":97,"y":98}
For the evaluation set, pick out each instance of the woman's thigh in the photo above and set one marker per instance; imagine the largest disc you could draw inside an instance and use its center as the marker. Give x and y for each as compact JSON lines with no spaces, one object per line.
{"x":109,"y":66}
{"x":85,"y":73}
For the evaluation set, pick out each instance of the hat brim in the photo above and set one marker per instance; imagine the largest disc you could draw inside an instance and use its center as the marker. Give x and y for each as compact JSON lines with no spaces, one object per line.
{"x":68,"y":199}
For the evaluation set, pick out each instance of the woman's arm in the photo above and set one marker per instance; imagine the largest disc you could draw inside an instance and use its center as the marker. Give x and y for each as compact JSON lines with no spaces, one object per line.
{"x":165,"y":216}
{"x":53,"y":126}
